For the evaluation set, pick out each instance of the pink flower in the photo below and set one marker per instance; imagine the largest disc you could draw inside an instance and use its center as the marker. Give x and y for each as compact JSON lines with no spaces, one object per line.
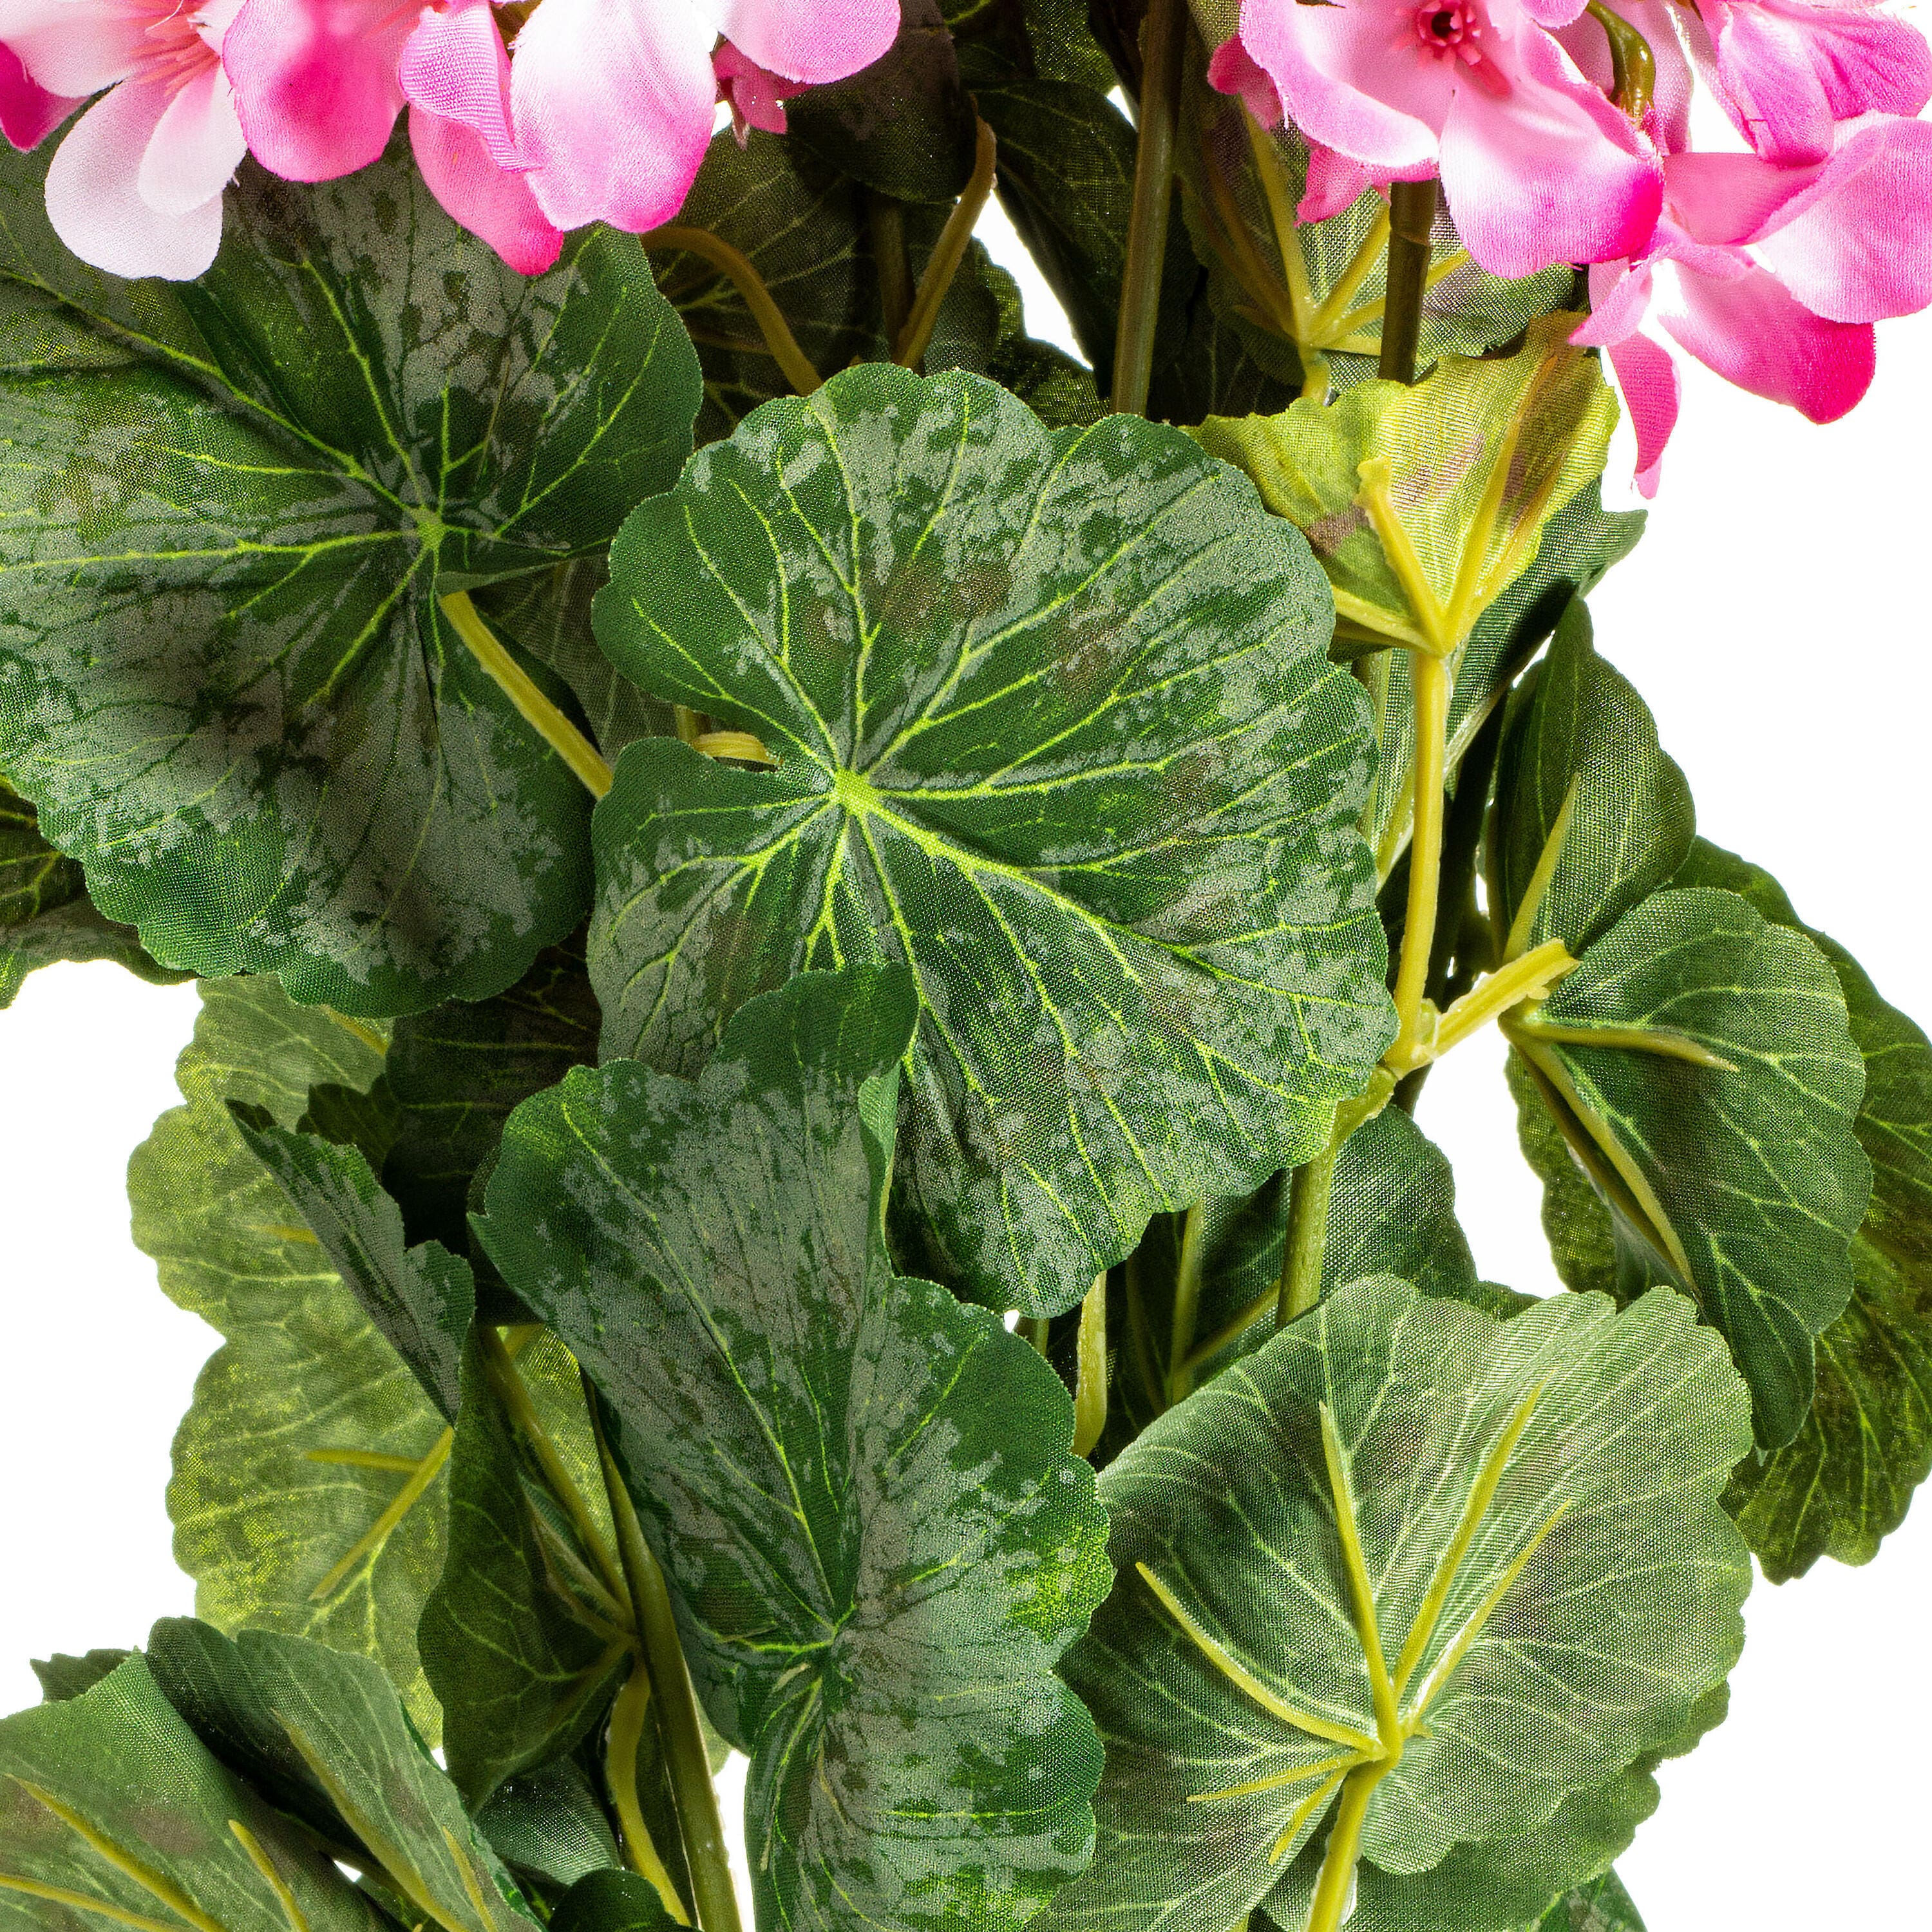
{"x":136,"y":186}
{"x":1537,"y":166}
{"x":1771,"y":276}
{"x":1788,"y":71}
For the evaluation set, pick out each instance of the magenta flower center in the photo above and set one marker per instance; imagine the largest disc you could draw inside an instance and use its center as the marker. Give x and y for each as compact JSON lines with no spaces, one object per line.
{"x":1455,"y":30}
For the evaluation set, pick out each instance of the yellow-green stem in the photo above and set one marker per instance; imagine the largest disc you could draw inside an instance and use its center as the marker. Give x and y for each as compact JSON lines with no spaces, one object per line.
{"x":1345,"y":1845}
{"x":628,"y":1716}
{"x":1310,"y":1188}
{"x":1186,"y":1303}
{"x":1431,"y":679}
{"x":424,"y":1473}
{"x":553,"y":727}
{"x":1166,"y":38}
{"x":1090,"y":1390}
{"x":910,"y":347}
{"x":679,"y":1730}
{"x":792,"y":360}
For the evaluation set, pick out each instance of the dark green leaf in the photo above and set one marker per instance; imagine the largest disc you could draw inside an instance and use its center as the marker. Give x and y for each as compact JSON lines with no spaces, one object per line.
{"x":1741,"y":1182}
{"x":45,"y":913}
{"x":551,"y":1823}
{"x":1057,"y":389}
{"x":233,"y":505}
{"x":1583,"y":780}
{"x":1213,"y":375}
{"x":108,"y":1800}
{"x":421,"y":1299}
{"x":1582,"y":1241}
{"x":903,"y":126}
{"x":859,"y":1489}
{"x":513,"y":1657}
{"x":306,"y":1424}
{"x":1057,"y":728}
{"x":1614,"y":1577}
{"x":613,"y":1901}
{"x":1845,"y":1482}
{"x":457,"y":1071}
{"x":365,"y":1121}
{"x":63,"y":1676}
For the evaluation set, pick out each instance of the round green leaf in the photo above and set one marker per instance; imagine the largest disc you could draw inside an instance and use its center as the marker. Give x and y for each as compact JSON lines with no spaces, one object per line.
{"x":231,"y":507}
{"x":1055,"y":728}
{"x":1591,"y":1605}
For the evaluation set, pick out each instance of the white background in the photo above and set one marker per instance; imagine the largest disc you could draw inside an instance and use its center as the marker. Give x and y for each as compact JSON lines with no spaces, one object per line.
{"x":1775,"y":617}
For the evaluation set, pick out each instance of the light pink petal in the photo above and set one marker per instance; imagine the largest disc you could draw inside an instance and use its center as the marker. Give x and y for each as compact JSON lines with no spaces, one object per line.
{"x":1548,"y":172}
{"x":493,"y":202}
{"x":1766,"y":81}
{"x":315,"y":81}
{"x":612,"y":103}
{"x":1859,"y":248}
{"x":1862,"y":60}
{"x":1553,"y":14}
{"x":95,"y":204}
{"x":755,"y":97}
{"x":28,"y":113}
{"x":1334,"y":183}
{"x":1619,"y":299}
{"x":1647,"y":378}
{"x":454,"y":65}
{"x":197,"y":145}
{"x":1754,"y":333}
{"x":73,"y":48}
{"x":1729,"y":199}
{"x":1355,"y":77}
{"x":1232,"y":71}
{"x":811,"y":40}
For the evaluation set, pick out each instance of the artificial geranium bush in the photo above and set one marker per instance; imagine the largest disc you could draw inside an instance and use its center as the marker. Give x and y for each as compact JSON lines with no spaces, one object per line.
{"x":818,"y":925}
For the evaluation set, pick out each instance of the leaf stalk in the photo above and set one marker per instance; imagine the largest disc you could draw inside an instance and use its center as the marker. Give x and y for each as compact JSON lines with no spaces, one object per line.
{"x":1166,"y":40}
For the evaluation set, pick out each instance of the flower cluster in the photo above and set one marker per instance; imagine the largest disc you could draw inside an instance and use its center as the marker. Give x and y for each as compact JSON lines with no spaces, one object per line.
{"x":595,"y":110}
{"x":1769,"y":262}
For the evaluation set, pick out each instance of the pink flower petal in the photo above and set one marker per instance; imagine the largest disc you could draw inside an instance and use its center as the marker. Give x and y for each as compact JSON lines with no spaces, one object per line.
{"x":489,"y":201}
{"x":756,"y":97}
{"x":811,"y":40}
{"x":28,"y":113}
{"x":454,"y":65}
{"x":95,"y":204}
{"x":1334,"y":183}
{"x":72,"y":48}
{"x":1355,"y":77}
{"x":1729,"y":199}
{"x":1549,"y":171}
{"x":1553,"y":14}
{"x":1755,"y":334}
{"x":1231,"y":70}
{"x":1619,"y":300}
{"x":1857,"y":246}
{"x":1658,"y":21}
{"x":612,"y":103}
{"x":1647,"y":378}
{"x":315,"y":81}
{"x":196,"y":147}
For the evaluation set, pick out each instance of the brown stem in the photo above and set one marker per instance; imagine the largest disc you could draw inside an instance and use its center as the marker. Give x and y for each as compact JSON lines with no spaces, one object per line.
{"x":1411,"y":217}
{"x":1165,"y":42}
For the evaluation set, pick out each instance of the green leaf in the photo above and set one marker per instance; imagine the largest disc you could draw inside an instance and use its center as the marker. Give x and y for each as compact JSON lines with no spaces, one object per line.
{"x":547,"y":616}
{"x":1593,"y":816}
{"x":613,"y":1901}
{"x":1845,"y":1481}
{"x":45,"y":913}
{"x":859,"y":1489}
{"x":457,"y":1071}
{"x":233,"y":506}
{"x":306,"y":1422}
{"x":1056,"y":727}
{"x":512,"y":1655}
{"x":112,"y":1811}
{"x":63,"y":1676}
{"x":903,"y":126}
{"x":1592,"y":1603}
{"x":1582,"y":1241}
{"x":1739,"y":1181}
{"x":1392,"y":1211}
{"x":1213,"y":375}
{"x":551,"y":1822}
{"x":1601,"y":1906}
{"x":1424,"y":503}
{"x":422,"y":1299}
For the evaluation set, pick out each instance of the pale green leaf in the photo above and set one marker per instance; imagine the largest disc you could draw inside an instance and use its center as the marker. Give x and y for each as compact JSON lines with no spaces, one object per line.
{"x":274,"y":1486}
{"x":1613,"y":1582}
{"x":859,"y":1489}
{"x":1055,"y":727}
